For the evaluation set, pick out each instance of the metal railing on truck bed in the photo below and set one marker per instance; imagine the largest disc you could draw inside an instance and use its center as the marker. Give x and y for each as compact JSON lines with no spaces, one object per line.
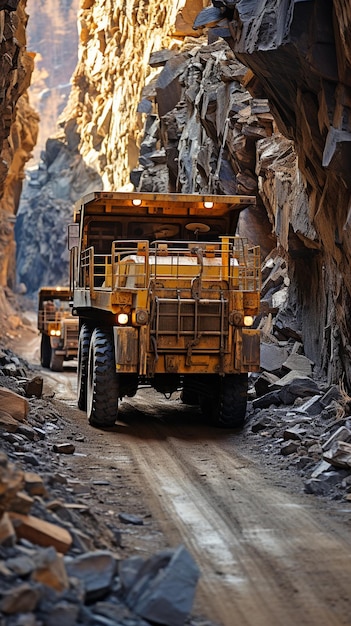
{"x":134,"y":264}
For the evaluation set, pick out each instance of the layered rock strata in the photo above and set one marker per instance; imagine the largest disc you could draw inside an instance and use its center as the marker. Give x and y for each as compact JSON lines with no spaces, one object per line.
{"x":99,"y":133}
{"x":299,"y":56}
{"x":18,"y":125}
{"x":115,"y":44}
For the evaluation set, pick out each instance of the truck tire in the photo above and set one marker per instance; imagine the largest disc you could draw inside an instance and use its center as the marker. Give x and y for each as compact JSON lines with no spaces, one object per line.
{"x":225,"y":405}
{"x":102,"y":380}
{"x":189,"y":394}
{"x":56,"y":361}
{"x":45,"y":351}
{"x":82,"y":366}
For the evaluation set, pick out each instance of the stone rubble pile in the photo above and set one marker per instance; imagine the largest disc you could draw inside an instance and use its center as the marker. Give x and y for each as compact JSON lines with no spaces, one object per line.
{"x":291,"y":404}
{"x":54,"y":569}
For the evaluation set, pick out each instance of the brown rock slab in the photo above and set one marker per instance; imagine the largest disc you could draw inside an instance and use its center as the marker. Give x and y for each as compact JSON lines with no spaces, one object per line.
{"x":21,"y":503}
{"x":21,"y":599}
{"x":11,"y":481}
{"x":7,"y":422}
{"x":50,"y":570}
{"x":289,"y":447}
{"x":40,"y":532}
{"x":34,"y":387}
{"x":12,"y":403}
{"x":7,"y":531}
{"x":34,"y":484}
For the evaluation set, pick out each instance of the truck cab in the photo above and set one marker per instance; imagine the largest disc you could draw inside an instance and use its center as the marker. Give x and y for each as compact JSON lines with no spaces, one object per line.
{"x":58,"y":328}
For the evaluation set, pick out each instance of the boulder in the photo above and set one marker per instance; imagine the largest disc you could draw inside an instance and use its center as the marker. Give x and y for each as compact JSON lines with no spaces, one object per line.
{"x":13,"y":404}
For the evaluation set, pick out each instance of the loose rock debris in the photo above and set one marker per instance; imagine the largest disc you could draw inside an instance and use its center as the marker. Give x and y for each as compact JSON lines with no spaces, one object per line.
{"x":53,"y":570}
{"x":308,"y":420}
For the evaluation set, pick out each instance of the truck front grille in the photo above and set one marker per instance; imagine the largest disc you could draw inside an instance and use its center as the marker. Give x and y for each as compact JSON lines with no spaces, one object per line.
{"x":71,"y":335}
{"x":176,"y":321}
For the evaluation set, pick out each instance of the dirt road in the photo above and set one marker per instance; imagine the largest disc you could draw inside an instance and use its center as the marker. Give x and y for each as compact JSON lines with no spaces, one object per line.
{"x":268,"y":556}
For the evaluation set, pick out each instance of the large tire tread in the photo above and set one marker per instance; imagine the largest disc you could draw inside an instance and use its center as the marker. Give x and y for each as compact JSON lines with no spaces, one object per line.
{"x":224,"y":405}
{"x":82,"y":367}
{"x":102,"y":383}
{"x":233,"y":401}
{"x":45,"y":351}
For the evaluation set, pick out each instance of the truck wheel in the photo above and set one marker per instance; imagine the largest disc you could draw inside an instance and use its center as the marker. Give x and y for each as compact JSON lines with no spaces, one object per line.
{"x":102,"y":380}
{"x":226,"y":404}
{"x":56,"y":361}
{"x":45,"y":351}
{"x":82,"y":366}
{"x":188,"y":394}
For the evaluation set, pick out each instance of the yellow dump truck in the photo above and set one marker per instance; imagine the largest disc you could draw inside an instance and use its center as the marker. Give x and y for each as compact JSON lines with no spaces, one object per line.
{"x":166,"y":297}
{"x":58,"y":328}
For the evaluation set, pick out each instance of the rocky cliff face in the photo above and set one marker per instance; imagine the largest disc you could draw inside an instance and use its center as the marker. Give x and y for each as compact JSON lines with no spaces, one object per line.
{"x":18,"y":125}
{"x":297,"y":62}
{"x":255,"y":101}
{"x":99,"y":134}
{"x":300,"y":57}
{"x":115,"y":44}
{"x":52,"y":34}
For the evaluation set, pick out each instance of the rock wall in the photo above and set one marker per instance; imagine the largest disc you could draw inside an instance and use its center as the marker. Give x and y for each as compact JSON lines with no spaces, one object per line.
{"x":297,"y":60}
{"x":115,"y":43}
{"x":300,"y":55}
{"x":99,"y":132}
{"x":254,"y":101}
{"x":53,"y":34}
{"x":18,"y":125}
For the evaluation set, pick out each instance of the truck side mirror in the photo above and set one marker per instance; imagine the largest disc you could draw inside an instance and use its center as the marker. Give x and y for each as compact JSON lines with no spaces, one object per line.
{"x":73,"y":236}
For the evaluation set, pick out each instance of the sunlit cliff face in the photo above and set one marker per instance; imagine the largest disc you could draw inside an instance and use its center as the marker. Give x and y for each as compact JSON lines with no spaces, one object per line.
{"x":115,"y":43}
{"x":52,"y":34}
{"x":18,"y":126}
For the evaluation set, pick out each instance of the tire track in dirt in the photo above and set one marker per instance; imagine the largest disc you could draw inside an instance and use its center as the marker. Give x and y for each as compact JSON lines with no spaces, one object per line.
{"x":267,"y":558}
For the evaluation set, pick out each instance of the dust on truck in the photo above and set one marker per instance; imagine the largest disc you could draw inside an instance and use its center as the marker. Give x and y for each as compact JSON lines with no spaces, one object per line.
{"x":166,"y":298}
{"x":58,"y":328}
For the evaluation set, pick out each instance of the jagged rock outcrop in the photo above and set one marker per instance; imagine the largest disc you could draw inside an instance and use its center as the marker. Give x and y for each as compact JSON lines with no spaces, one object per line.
{"x":113,"y":67}
{"x":262,"y":109}
{"x":100,"y":130}
{"x":216,"y":138}
{"x":299,"y":62}
{"x":299,"y":56}
{"x":18,"y":125}
{"x":52,"y":34}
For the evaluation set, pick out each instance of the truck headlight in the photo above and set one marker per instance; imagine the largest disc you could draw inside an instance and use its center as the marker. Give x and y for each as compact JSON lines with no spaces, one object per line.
{"x":122,"y":318}
{"x":55,"y":333}
{"x":248,"y":320}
